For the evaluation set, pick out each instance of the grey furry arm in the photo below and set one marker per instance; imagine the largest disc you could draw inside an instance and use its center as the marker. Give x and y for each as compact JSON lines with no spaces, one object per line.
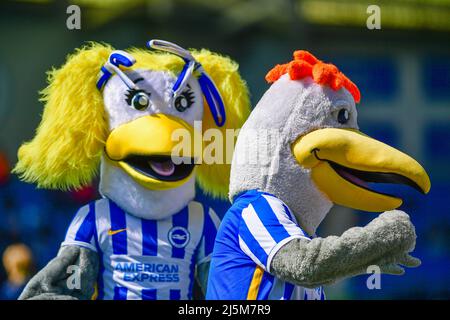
{"x":51,"y":283}
{"x":385,"y":242}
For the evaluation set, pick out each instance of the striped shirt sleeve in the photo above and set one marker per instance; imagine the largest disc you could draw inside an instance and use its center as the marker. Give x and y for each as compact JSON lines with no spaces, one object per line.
{"x":266,"y":225}
{"x":81,"y":231}
{"x":210,"y":227}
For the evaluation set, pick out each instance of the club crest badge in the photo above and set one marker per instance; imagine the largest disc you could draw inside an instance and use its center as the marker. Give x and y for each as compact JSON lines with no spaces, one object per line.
{"x":179,"y":237}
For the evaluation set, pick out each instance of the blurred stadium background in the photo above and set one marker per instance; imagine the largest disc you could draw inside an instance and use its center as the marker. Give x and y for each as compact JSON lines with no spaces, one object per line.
{"x":403,"y":71}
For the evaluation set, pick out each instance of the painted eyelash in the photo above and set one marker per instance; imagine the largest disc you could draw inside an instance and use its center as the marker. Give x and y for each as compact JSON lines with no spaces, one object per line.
{"x":189,"y":95}
{"x":131,"y":93}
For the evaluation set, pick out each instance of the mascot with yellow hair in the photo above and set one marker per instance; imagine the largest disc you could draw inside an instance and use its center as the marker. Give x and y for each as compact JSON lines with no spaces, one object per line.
{"x":120,"y":112}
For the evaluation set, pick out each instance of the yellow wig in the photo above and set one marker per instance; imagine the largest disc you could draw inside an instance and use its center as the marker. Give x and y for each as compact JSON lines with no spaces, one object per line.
{"x":66,"y":151}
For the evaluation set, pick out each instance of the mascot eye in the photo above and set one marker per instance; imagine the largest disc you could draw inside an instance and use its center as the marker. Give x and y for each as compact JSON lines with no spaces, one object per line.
{"x":138,"y":99}
{"x":343,"y":116}
{"x":184,"y":101}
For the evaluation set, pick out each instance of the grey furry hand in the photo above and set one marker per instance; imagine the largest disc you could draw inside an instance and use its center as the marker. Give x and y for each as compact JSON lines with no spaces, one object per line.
{"x":394,"y":267}
{"x":51,"y":282}
{"x":385,"y":242}
{"x":395,"y":230}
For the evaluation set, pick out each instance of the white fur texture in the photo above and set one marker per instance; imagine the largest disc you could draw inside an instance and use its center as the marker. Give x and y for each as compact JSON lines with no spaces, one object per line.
{"x":385,"y":242}
{"x":292,"y":109}
{"x":159,"y":84}
{"x":115,"y":183}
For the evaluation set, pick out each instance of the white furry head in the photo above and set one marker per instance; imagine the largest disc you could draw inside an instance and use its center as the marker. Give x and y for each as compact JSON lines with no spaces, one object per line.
{"x":289,"y":109}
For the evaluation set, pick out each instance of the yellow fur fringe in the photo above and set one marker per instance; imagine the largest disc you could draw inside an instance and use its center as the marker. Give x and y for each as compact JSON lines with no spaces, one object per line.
{"x":69,"y":141}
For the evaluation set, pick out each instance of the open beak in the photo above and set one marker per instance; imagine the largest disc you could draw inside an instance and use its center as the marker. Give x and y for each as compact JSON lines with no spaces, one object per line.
{"x":344,"y":161}
{"x":151,"y":150}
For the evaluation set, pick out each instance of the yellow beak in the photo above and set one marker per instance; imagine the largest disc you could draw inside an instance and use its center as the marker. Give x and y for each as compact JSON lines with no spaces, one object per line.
{"x":343,"y":161}
{"x":146,"y":148}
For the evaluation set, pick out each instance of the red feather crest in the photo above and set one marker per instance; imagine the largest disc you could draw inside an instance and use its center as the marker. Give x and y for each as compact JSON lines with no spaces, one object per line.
{"x":307,"y":65}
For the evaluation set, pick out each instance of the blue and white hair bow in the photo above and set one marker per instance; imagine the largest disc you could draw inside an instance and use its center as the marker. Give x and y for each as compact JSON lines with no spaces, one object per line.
{"x":209,"y":89}
{"x":116,"y":59}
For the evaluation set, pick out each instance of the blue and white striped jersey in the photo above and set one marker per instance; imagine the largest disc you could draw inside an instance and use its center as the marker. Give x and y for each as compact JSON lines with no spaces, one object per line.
{"x":145,"y":259}
{"x":252,"y":231}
